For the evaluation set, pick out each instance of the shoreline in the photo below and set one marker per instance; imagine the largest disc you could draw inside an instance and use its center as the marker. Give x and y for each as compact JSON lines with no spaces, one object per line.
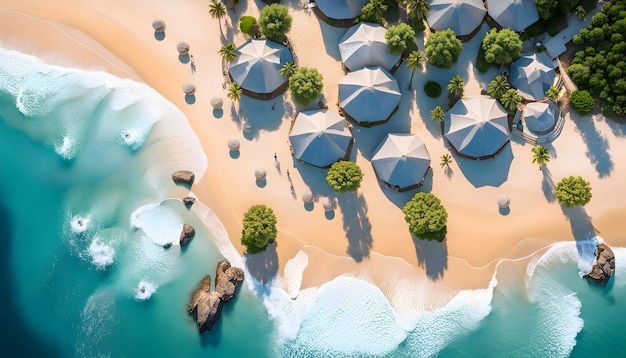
{"x":227,"y":187}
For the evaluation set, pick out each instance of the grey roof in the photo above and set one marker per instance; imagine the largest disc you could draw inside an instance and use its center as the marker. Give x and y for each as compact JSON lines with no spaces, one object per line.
{"x":462,"y":17}
{"x":532,"y":75}
{"x":341,"y":9}
{"x":401,"y":160}
{"x":515,"y":14}
{"x":540,"y":117}
{"x":477,"y":126}
{"x":365,"y":45}
{"x":257,"y":64}
{"x":370,"y":94}
{"x":320,"y":137}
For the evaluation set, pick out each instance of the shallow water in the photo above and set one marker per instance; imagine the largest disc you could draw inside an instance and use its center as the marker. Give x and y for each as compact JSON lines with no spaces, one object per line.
{"x":86,"y":205}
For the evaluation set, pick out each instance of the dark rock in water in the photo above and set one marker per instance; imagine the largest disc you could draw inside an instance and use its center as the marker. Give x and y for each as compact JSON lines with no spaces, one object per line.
{"x":206,"y":306}
{"x":604,"y":266}
{"x":189,"y":200}
{"x":184,"y":177}
{"x":186,"y":234}
{"x":167,"y":245}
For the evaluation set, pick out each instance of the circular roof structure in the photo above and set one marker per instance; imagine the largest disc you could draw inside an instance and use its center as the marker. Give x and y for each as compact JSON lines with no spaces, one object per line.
{"x":514,"y":14}
{"x":364,"y":45}
{"x":540,"y":117}
{"x":401,"y":160}
{"x":532,"y":75}
{"x":462,"y":17}
{"x":341,"y":9}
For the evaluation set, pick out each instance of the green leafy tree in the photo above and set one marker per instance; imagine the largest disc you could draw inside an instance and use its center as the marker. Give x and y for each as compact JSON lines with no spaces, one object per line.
{"x":573,"y":191}
{"x":306,"y":85}
{"x":426,"y":217}
{"x":275,"y":22}
{"x":414,"y":61}
{"x":344,"y":176}
{"x":228,"y":52}
{"x":510,"y":99}
{"x":501,"y":47}
{"x":581,"y":13}
{"x":259,"y":227}
{"x":400,"y":38}
{"x":541,"y":156}
{"x":288,"y":69}
{"x":565,"y":6}
{"x":443,"y":48}
{"x":438,"y":114}
{"x":456,"y":87}
{"x":432,"y":89}
{"x":246,"y":24}
{"x":546,"y":8}
{"x":234,"y":92}
{"x":553,"y":93}
{"x":582,"y":101}
{"x":416,"y":10}
{"x":374,"y":11}
{"x":497,"y":87}
{"x":217,"y":11}
{"x":446,"y":160}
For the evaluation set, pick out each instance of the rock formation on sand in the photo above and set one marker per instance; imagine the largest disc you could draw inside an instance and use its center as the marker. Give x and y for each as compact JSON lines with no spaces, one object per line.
{"x":186,"y":234}
{"x":184,"y":177}
{"x":604,"y":266}
{"x":206,"y":306}
{"x":188,"y":201}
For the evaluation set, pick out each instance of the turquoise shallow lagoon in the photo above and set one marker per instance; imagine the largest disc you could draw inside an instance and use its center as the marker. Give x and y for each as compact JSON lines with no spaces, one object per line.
{"x":86,"y":202}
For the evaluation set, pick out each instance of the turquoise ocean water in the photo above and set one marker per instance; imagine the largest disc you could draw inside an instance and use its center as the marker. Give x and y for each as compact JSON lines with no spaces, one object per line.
{"x":86,"y":202}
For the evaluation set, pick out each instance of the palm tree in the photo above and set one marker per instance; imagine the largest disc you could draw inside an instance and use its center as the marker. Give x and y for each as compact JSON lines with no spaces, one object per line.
{"x":288,"y":69}
{"x":540,"y":156}
{"x":553,"y":93}
{"x":228,"y":53}
{"x":217,"y":11}
{"x":417,"y":10}
{"x":510,"y":99}
{"x":456,"y":87}
{"x":414,"y":61}
{"x":234,"y":92}
{"x":498,"y":87}
{"x":438,"y":114}
{"x":446,"y":159}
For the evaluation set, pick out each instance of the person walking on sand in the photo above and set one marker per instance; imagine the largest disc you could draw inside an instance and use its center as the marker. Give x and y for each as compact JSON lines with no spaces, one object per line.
{"x":193,"y":65}
{"x":275,"y":159}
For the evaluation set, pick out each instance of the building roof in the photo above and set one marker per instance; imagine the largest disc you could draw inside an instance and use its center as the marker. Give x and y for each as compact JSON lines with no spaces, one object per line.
{"x":462,"y":17}
{"x":515,"y":14}
{"x":370,"y":94}
{"x":257,"y":64}
{"x":477,"y":126}
{"x":540,"y":117}
{"x":401,"y":160}
{"x":320,"y":137}
{"x":532,"y":75}
{"x":365,"y":45}
{"x":341,"y":9}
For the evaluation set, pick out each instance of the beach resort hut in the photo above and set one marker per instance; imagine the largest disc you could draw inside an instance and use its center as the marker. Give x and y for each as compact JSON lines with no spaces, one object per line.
{"x":532,"y":75}
{"x":515,"y":14}
{"x":540,"y":117}
{"x":464,"y":17}
{"x":256,"y":68}
{"x":339,"y":13}
{"x":370,"y":95}
{"x":401,"y":161}
{"x":365,"y":45}
{"x":320,"y":138}
{"x":477,"y":127}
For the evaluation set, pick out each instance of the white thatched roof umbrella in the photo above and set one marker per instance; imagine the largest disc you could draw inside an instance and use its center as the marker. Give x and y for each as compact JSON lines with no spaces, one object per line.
{"x":328,"y":204}
{"x":515,"y":14}
{"x":477,"y":127}
{"x":189,"y":88}
{"x":462,"y":17}
{"x":532,"y":75}
{"x":503,"y":201}
{"x":260,"y":173}
{"x":158,"y":25}
{"x":401,"y":160}
{"x":365,"y":45}
{"x":307,"y":197}
{"x":320,"y":137}
{"x":217,"y":102}
{"x":370,"y":94}
{"x":234,"y":144}
{"x":540,"y":117}
{"x":182,"y":47}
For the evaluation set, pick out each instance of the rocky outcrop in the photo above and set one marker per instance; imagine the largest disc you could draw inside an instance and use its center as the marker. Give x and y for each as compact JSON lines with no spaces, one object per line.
{"x":167,"y":245}
{"x":186,"y":234}
{"x":184,"y":177}
{"x":206,"y":306}
{"x":604,"y":266}
{"x":188,"y":201}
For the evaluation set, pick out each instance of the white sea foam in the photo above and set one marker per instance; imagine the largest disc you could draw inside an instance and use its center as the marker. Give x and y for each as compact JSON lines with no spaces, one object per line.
{"x":102,"y":255}
{"x":66,"y":149}
{"x":145,"y":290}
{"x":132,"y":138}
{"x":158,"y":222}
{"x":293,"y":272}
{"x":79,"y":224}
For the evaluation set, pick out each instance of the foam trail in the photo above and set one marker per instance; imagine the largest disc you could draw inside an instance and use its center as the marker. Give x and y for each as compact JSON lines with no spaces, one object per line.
{"x":145,"y":290}
{"x":66,"y":149}
{"x":79,"y":224}
{"x":102,"y":255}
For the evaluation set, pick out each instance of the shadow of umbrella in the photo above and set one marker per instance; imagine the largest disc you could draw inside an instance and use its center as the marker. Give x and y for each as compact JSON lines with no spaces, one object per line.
{"x":488,"y":172}
{"x":190,"y":99}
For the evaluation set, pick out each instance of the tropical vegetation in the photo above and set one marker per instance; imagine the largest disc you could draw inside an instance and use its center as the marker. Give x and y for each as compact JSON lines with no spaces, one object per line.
{"x":438,"y":114}
{"x":288,"y":69}
{"x":446,"y":159}
{"x":234,"y":92}
{"x":553,"y":93}
{"x":374,"y":11}
{"x":414,"y":61}
{"x":246,"y":24}
{"x":217,"y":11}
{"x":582,"y":101}
{"x":306,"y":85}
{"x":573,"y":191}
{"x":456,"y":87}
{"x":259,"y":228}
{"x":432,"y":89}
{"x":443,"y":48}
{"x":426,"y":217}
{"x":344,"y":176}
{"x":400,"y":38}
{"x":417,"y":11}
{"x":228,"y":52}
{"x":541,"y":156}
{"x":498,"y":87}
{"x":501,"y":47}
{"x":275,"y":22}
{"x":510,"y":99}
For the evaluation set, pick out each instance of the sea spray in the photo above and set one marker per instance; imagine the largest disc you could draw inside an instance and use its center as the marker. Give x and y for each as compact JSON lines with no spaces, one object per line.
{"x":145,"y":290}
{"x":102,"y":255}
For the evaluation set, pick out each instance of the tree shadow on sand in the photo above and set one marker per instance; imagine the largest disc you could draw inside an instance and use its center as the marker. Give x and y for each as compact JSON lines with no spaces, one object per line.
{"x":547,"y":185}
{"x":432,"y":256}
{"x":263,"y":266}
{"x":583,"y":231}
{"x":357,"y":225}
{"x":597,"y":145}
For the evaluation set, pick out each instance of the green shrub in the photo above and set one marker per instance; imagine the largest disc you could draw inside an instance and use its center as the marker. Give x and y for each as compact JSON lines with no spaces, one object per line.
{"x":259,"y":227}
{"x":443,"y":48}
{"x":582,"y":101}
{"x":432,"y":89}
{"x":344,"y":176}
{"x":275,"y":22}
{"x":246,"y":24}
{"x":306,"y":85}
{"x":481,"y":64}
{"x":573,"y":191}
{"x":426,"y":217}
{"x":400,"y":38}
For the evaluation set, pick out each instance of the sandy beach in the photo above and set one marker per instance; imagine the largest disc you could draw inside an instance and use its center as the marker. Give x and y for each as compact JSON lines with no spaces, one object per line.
{"x":366,"y":235}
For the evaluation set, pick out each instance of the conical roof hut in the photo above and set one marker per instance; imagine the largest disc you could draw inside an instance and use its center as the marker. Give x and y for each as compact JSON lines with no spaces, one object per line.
{"x":463,"y":17}
{"x":514,"y":14}
{"x":532,"y":75}
{"x":365,"y":45}
{"x":401,"y":161}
